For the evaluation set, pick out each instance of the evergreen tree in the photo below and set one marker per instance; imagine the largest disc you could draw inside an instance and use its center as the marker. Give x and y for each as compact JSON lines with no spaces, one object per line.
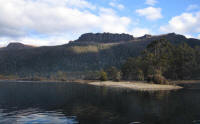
{"x":162,"y":60}
{"x":184,"y":61}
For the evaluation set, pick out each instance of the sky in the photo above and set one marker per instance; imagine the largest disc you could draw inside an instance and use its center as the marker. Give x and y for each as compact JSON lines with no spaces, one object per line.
{"x":55,"y":22}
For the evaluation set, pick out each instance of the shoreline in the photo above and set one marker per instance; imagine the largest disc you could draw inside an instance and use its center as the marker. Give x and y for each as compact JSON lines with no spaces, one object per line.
{"x":132,"y":85}
{"x":136,"y":85}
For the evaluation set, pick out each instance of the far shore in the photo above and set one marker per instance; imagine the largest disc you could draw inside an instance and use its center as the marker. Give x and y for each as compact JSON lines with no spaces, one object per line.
{"x":133,"y":85}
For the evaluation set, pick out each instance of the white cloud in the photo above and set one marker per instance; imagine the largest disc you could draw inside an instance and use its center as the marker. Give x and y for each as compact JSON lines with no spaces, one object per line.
{"x":192,"y":7}
{"x":44,"y":17}
{"x":40,"y":40}
{"x":115,"y":5}
{"x":110,"y":22}
{"x":198,"y":36}
{"x":20,"y":18}
{"x":185,"y":23}
{"x":151,"y":2}
{"x":106,"y":11}
{"x":188,"y":36}
{"x":80,"y":4}
{"x":68,"y":3}
{"x":137,"y":32}
{"x":54,"y":40}
{"x":150,"y":13}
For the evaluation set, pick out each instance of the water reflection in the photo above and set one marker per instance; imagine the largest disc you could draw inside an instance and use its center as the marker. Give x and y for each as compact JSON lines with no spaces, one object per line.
{"x":45,"y":118}
{"x":32,"y":116}
{"x":68,"y":103}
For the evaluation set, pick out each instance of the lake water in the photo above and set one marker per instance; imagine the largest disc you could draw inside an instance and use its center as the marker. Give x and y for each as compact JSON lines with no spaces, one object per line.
{"x":69,"y":103}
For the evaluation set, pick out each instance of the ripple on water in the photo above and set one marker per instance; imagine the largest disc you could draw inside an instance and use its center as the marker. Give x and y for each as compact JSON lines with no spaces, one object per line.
{"x":39,"y":118}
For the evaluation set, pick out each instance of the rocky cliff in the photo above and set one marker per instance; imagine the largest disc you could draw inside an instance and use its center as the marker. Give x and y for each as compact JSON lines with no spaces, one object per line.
{"x":104,"y":37}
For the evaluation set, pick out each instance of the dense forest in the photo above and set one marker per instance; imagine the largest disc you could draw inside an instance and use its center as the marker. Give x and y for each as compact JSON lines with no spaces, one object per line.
{"x":161,"y":60}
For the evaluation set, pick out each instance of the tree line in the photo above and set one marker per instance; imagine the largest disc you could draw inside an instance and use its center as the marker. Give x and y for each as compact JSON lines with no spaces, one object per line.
{"x":159,"y":62}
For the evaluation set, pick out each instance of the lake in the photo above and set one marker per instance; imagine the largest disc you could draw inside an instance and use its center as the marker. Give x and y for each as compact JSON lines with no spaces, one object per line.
{"x":71,"y":103}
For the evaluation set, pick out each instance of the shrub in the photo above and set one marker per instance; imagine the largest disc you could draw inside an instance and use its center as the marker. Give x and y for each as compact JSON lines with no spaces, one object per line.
{"x":140,"y":75}
{"x":118,"y":76}
{"x":159,"y":79}
{"x":113,"y":74}
{"x":103,"y":76}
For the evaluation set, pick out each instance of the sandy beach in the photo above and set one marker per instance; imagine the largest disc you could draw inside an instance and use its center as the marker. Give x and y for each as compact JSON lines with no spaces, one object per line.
{"x":136,"y":85}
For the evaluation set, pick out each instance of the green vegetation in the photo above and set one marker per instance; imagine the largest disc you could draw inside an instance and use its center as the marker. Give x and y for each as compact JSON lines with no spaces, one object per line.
{"x":103,"y":76}
{"x":60,"y":76}
{"x":161,"y":60}
{"x":8,"y":77}
{"x":113,"y":74}
{"x":153,"y":59}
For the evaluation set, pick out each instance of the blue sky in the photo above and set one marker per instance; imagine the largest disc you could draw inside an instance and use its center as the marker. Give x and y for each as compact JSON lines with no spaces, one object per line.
{"x":55,"y":22}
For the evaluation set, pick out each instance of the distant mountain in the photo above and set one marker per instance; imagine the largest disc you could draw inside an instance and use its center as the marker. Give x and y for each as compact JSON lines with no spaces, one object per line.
{"x":17,"y":46}
{"x":90,"y":52}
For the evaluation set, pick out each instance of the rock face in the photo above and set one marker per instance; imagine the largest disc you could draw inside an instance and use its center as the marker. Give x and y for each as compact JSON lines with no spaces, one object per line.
{"x":104,"y":38}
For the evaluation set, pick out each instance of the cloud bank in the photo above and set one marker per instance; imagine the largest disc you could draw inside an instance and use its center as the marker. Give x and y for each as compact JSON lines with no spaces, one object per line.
{"x":150,"y":13}
{"x":186,"y":23}
{"x":23,"y":18}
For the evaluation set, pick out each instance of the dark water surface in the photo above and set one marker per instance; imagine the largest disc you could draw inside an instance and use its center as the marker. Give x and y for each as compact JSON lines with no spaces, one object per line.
{"x":69,"y":103}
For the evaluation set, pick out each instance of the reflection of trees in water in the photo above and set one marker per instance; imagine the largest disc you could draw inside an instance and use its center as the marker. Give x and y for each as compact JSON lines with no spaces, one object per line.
{"x":175,"y":108}
{"x":101,"y":105}
{"x":89,"y":114}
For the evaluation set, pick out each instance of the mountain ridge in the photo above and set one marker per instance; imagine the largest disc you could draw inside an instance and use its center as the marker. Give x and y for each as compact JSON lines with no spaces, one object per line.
{"x":90,"y":38}
{"x":78,"y":56}
{"x":17,"y":46}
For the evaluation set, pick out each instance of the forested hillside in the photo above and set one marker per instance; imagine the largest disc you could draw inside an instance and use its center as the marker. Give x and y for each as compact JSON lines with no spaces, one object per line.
{"x":91,"y":54}
{"x":162,"y":60}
